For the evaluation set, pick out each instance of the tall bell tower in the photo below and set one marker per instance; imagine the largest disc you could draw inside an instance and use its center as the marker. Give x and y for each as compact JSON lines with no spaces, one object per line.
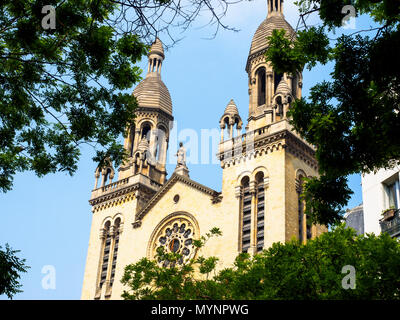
{"x":115,"y":204}
{"x":263,"y":168}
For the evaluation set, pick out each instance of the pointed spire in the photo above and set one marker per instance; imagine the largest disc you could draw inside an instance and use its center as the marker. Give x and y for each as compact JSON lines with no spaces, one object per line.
{"x":156,"y":57}
{"x":282,"y":87}
{"x":157,"y":48}
{"x":231,"y":108}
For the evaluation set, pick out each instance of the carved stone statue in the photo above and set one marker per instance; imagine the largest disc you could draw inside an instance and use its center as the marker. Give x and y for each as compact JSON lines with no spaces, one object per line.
{"x":181,"y":154}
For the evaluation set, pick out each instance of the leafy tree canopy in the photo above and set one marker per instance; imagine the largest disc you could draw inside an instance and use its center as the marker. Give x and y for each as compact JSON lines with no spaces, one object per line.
{"x":62,"y":87}
{"x":284,"y":271}
{"x":66,"y":86}
{"x":10,"y":269}
{"x":353,"y":119}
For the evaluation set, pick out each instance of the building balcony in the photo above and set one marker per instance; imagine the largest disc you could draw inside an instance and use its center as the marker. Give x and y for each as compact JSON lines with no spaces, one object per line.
{"x":391,"y":224}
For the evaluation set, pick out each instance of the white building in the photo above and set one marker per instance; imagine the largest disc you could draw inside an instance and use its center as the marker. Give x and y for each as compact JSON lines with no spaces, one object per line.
{"x":381,"y":191}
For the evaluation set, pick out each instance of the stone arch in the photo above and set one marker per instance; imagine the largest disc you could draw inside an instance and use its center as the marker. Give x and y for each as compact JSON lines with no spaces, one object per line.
{"x":175,"y":216}
{"x":241,"y":176}
{"x":108,"y":219}
{"x":258,"y":169}
{"x":118,"y":216}
{"x":300,"y":172}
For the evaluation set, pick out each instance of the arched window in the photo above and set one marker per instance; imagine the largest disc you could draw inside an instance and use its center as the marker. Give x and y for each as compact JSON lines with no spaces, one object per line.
{"x":117,"y":224}
{"x":277,"y":79}
{"x":246,"y":214}
{"x":146,"y":131}
{"x":260,"y":210}
{"x":106,"y":252}
{"x":304,"y":221}
{"x":261,"y":86}
{"x":226,"y":129}
{"x":300,"y":210}
{"x":131,"y":140}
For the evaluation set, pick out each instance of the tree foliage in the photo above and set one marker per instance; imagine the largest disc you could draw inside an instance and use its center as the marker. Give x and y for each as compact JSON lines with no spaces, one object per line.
{"x":11,"y":268}
{"x":149,"y":280}
{"x":282,"y":272}
{"x":64,"y":87}
{"x":353,"y":119}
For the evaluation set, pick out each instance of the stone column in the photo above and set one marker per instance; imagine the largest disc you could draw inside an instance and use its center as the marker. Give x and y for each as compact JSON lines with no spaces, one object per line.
{"x":141,"y":163}
{"x":289,"y":81}
{"x":397,"y":189}
{"x":300,"y":85}
{"x":96,"y":175}
{"x":136,"y":139}
{"x":222,"y":132}
{"x":269,"y":87}
{"x":231,"y":123}
{"x":238,"y":131}
{"x":163,"y":151}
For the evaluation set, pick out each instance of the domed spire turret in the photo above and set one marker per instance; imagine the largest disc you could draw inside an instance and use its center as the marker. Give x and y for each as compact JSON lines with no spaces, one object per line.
{"x":231,"y":108}
{"x":283,"y":87}
{"x":229,"y":119}
{"x":156,"y":57}
{"x":152,"y":92}
{"x":265,"y":84}
{"x":147,"y":140}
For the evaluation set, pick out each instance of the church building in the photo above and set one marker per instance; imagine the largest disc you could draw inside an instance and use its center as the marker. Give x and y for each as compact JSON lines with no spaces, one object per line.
{"x":262,"y":172}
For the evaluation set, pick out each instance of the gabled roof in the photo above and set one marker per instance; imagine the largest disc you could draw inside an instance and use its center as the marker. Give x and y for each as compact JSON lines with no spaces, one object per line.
{"x":215,"y":195}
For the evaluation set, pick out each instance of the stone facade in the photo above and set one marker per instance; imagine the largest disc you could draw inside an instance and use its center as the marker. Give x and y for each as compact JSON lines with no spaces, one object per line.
{"x":262,"y":172}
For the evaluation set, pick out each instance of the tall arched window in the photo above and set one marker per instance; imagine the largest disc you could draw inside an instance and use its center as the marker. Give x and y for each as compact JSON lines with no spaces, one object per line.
{"x":300,"y":211}
{"x":131,"y":140}
{"x":304,"y":221}
{"x":277,"y":79}
{"x":260,"y":210}
{"x":261,"y":86}
{"x":106,"y":252}
{"x":246,"y":214}
{"x":117,"y":224}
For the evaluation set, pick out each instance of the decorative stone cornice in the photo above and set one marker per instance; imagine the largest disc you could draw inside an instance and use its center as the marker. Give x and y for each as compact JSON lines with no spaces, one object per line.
{"x":153,"y":111}
{"x":251,"y":58}
{"x":121,"y":194}
{"x":283,"y":139}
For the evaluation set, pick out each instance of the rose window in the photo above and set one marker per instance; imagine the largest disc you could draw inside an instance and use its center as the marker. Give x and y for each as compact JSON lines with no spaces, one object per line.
{"x":177,"y":237}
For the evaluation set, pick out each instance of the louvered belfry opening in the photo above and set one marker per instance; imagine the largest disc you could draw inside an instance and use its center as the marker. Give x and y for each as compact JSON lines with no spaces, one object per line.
{"x":115,"y":250}
{"x":246,"y":214}
{"x":301,"y":214}
{"x":106,"y":253}
{"x":260,"y":210}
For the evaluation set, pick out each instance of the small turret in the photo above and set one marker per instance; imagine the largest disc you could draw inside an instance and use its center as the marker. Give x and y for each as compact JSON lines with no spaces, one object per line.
{"x":229,"y":119}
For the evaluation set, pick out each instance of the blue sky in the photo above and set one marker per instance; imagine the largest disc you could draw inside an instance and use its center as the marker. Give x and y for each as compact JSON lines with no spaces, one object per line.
{"x":49,"y":218}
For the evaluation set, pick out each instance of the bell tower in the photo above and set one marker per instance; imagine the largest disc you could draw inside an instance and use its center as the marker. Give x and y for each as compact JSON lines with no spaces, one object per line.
{"x":270,"y":93}
{"x":115,"y":204}
{"x":263,"y":168}
{"x":147,"y":139}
